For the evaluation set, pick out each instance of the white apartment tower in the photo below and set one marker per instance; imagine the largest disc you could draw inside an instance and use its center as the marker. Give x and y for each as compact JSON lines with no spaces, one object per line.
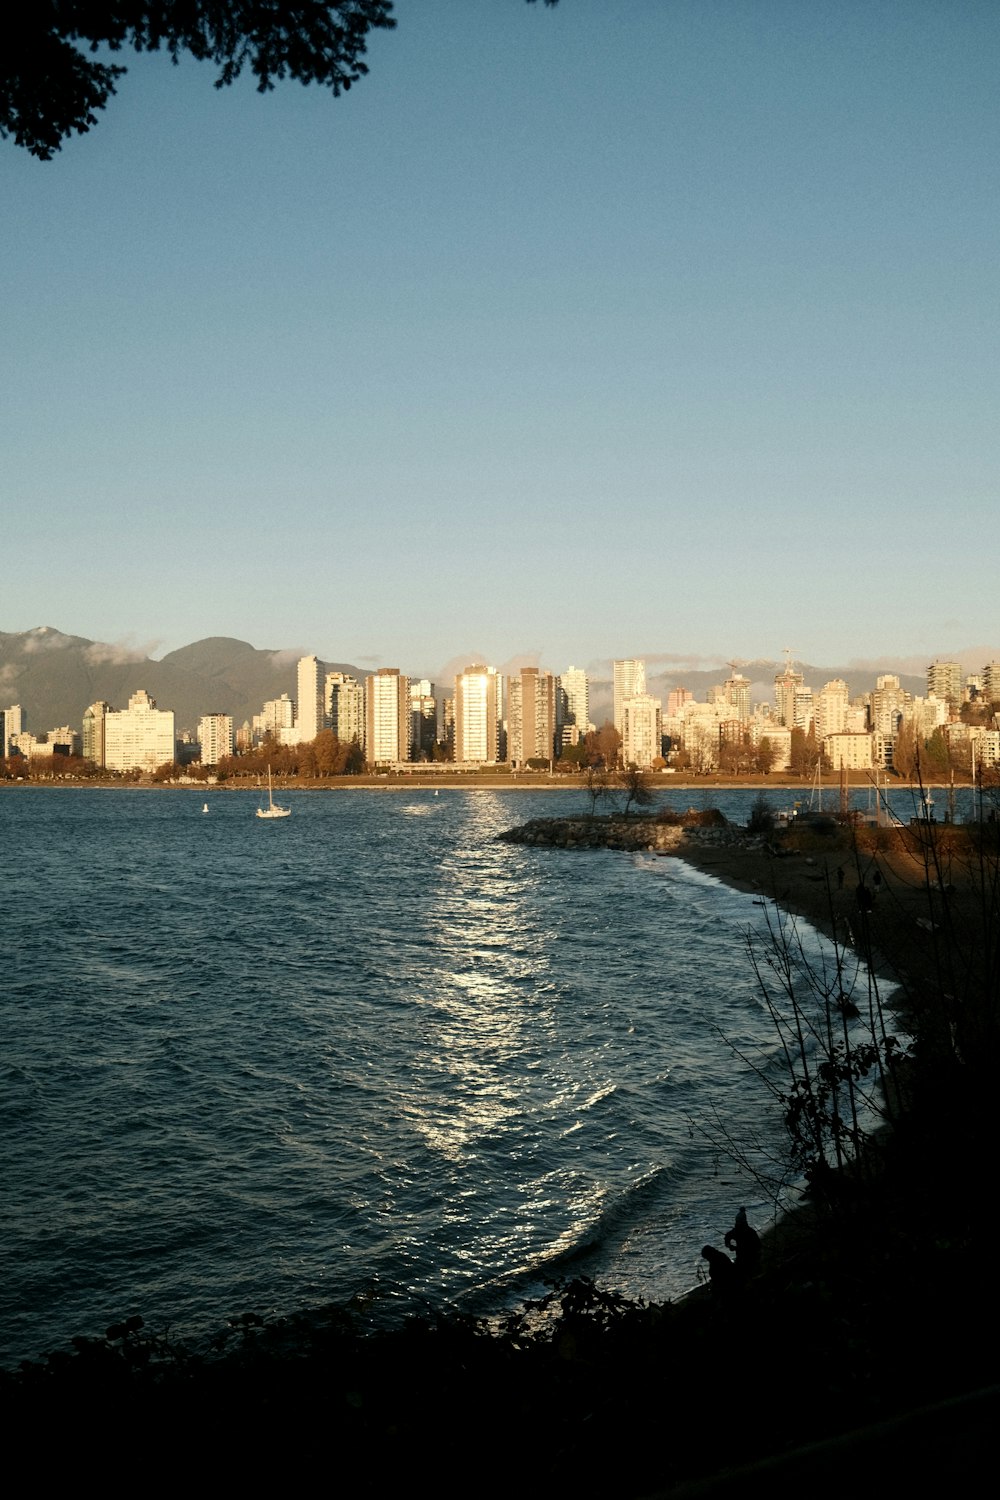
{"x":803,"y":708}
{"x":140,"y":737}
{"x":572,"y":706}
{"x":642,"y":730}
{"x":12,"y":722}
{"x":311,"y":684}
{"x":215,"y":736}
{"x":737,"y":696}
{"x":478,"y":707}
{"x":629,"y":682}
{"x":345,"y":707}
{"x":787,"y":686}
{"x":276,"y":718}
{"x":830,"y":708}
{"x":944,"y":681}
{"x":387,"y":717}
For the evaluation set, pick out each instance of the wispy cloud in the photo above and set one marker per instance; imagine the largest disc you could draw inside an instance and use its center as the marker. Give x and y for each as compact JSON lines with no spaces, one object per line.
{"x":43,"y":638}
{"x":972,"y":659}
{"x":662,"y":661}
{"x":514,"y":664}
{"x":118,"y":653}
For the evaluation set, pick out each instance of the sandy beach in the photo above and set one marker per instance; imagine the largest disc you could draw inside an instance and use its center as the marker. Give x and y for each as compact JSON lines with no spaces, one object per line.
{"x":913,"y":897}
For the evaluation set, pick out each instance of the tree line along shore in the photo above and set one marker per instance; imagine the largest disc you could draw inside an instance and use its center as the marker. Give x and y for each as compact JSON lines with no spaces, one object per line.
{"x":496,"y":777}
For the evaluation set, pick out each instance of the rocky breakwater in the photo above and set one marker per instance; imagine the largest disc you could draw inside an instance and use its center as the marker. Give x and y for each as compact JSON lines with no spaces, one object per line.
{"x":667,"y":834}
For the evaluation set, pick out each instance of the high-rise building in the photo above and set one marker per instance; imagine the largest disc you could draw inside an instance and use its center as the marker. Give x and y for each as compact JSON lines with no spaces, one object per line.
{"x":572,"y":707}
{"x":478,"y":709}
{"x":93,"y":732}
{"x":310,"y":713}
{"x":629,"y":682}
{"x":215,"y":736}
{"x":830,"y":707}
{"x":641,"y":730}
{"x":446,"y":725}
{"x":803,"y":710}
{"x":944,"y":681}
{"x":140,"y":737}
{"x":737,"y":695}
{"x":853,"y":752}
{"x":387,"y":717}
{"x":991,"y":682}
{"x":531,"y":716}
{"x":786,"y":685}
{"x":926,"y":715}
{"x":886,"y":705}
{"x":423,"y":719}
{"x":345,"y":707}
{"x":276,"y":718}
{"x":14,"y":721}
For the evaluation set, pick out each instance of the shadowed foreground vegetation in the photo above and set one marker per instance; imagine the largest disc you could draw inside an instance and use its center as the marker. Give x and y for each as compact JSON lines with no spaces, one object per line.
{"x":870,"y":1329}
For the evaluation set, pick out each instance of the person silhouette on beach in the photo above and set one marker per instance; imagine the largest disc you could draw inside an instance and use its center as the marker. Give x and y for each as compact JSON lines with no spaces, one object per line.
{"x":721,"y":1272}
{"x":746,"y":1243}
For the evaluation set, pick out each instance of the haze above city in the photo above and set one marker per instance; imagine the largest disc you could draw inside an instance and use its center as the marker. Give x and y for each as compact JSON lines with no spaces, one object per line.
{"x":610,"y":330}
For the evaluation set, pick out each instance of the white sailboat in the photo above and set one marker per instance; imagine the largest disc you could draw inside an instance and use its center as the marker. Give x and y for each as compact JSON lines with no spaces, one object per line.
{"x":272,"y":810}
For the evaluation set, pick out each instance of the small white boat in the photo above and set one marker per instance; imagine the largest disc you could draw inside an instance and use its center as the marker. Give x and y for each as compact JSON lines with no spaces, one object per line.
{"x":205,"y":808}
{"x":272,"y":810}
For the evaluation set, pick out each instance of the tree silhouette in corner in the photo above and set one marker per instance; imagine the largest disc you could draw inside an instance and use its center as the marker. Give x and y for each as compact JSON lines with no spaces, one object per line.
{"x":51,"y":84}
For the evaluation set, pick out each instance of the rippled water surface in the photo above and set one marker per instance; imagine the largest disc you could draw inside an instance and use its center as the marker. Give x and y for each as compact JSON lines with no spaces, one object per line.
{"x":366,"y":1048}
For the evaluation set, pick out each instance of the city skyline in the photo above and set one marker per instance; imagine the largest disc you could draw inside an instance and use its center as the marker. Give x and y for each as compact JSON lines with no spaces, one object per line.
{"x":532,"y":720}
{"x":602,"y":333}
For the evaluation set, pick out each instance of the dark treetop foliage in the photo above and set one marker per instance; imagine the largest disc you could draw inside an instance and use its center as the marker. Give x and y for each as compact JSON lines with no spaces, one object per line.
{"x":50,"y":87}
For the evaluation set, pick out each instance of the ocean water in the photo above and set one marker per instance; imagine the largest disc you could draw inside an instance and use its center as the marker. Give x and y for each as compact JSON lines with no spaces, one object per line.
{"x":365,"y":1050}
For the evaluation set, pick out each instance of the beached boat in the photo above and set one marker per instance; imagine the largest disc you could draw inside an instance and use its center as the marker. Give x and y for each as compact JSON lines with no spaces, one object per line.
{"x":272,"y":810}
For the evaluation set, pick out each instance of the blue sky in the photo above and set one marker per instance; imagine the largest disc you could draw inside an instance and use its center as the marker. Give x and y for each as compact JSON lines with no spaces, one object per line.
{"x":661,"y":327}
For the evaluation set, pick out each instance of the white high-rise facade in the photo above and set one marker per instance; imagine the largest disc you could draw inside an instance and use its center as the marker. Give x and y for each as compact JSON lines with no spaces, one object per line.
{"x":478,"y":707}
{"x":572,"y":706}
{"x":641,"y":730}
{"x":787,"y":685}
{"x":140,"y":737}
{"x":276,"y":718}
{"x":345,"y":707}
{"x":737,"y":696}
{"x":831,"y":705}
{"x":14,"y":720}
{"x":387,"y":717}
{"x":886,"y":705}
{"x":215,"y":736}
{"x":629,"y":682}
{"x":944,"y":681}
{"x":310,"y":707}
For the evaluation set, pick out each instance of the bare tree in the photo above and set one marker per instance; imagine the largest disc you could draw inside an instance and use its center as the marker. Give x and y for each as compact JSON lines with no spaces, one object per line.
{"x":633,"y":784}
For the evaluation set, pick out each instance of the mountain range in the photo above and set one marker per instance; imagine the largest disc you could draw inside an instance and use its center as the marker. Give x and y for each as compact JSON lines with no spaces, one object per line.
{"x":56,"y":676}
